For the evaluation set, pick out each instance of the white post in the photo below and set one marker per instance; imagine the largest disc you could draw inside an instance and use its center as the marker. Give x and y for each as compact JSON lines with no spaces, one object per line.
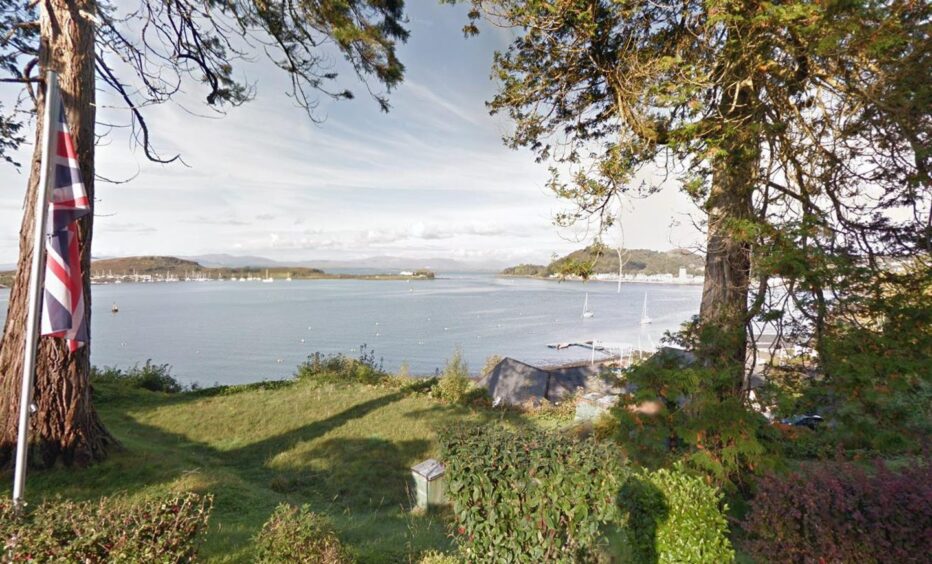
{"x":37,"y":272}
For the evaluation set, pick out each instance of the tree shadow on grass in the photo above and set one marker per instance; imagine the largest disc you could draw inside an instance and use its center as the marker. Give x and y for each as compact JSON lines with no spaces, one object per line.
{"x":245,"y":486}
{"x":645,"y":508}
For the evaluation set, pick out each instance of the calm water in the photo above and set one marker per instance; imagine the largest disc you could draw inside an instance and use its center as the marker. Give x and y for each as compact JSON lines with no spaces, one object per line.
{"x":236,"y":332}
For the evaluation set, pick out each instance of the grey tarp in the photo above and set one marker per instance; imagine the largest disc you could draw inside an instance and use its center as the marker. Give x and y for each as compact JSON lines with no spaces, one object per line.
{"x":514,"y":382}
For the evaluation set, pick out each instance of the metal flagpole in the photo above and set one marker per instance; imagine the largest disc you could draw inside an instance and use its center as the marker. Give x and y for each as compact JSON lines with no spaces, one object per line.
{"x":37,"y":272}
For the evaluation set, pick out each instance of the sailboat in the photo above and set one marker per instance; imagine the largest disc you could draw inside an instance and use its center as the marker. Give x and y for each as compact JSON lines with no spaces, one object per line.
{"x":267,"y":279}
{"x":645,"y":320}
{"x":586,"y":312}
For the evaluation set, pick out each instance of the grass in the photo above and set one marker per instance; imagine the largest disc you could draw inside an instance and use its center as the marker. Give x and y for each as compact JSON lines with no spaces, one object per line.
{"x":344,"y":449}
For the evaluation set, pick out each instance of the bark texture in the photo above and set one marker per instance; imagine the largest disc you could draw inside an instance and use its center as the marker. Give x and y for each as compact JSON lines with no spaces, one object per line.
{"x":724,"y":308}
{"x":66,"y":427}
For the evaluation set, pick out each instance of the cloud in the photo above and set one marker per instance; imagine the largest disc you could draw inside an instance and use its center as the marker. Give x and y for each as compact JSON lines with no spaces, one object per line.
{"x":217,"y":221}
{"x":124,"y":227}
{"x":265,"y":216}
{"x":433,"y":99}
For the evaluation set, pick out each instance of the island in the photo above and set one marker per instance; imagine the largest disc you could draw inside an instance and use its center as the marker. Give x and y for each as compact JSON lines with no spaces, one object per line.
{"x":144,"y":269}
{"x":600,"y":262}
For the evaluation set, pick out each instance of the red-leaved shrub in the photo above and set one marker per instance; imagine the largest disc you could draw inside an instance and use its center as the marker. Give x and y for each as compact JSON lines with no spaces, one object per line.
{"x":842,"y":512}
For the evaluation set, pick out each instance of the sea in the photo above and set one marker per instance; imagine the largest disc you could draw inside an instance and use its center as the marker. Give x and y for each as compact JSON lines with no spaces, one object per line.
{"x":232,"y":332}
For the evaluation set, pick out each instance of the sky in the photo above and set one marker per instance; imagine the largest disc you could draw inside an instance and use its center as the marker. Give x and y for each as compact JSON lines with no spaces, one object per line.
{"x":431,"y":178}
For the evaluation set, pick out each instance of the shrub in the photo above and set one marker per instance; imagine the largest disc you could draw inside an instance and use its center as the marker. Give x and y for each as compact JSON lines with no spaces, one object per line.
{"x":339,"y":368}
{"x":454,"y":384}
{"x":436,"y":557}
{"x":152,"y":377}
{"x":698,"y":420}
{"x":167,"y":529}
{"x":490,"y":363}
{"x":294,"y":534}
{"x":530,"y":495}
{"x":672,"y":516}
{"x":840,"y":512}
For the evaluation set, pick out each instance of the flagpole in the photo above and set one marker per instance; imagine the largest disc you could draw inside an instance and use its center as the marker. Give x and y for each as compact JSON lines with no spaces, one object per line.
{"x":37,"y":271}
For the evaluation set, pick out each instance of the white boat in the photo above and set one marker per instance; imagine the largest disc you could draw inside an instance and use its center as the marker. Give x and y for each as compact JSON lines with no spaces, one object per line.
{"x":645,"y":319}
{"x":267,"y":279}
{"x":586,"y":312}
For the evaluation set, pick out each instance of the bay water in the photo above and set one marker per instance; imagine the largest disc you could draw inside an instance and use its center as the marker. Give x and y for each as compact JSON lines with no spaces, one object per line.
{"x":231,"y":332}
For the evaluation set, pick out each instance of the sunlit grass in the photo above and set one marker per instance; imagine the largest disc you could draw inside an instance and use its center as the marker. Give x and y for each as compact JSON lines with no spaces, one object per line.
{"x":345,"y":450}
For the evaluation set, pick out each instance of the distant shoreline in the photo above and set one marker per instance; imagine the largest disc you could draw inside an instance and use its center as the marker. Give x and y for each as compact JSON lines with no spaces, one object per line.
{"x":389,"y":277}
{"x":673,"y":282}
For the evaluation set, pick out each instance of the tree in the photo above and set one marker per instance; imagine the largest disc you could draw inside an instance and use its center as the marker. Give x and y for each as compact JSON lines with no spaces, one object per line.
{"x":801,"y":129}
{"x":145,"y":54}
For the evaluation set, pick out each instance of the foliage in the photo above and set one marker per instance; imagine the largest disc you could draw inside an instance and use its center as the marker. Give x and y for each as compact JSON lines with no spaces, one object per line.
{"x":603,"y":259}
{"x":878,"y":385}
{"x":435,"y":557}
{"x":672,"y":516}
{"x":530,"y":495}
{"x":167,"y":529}
{"x":685,"y":411}
{"x":526,"y":270}
{"x":754,"y":110}
{"x":337,"y":368}
{"x":870,"y":378}
{"x":454,"y":384}
{"x":294,"y":534}
{"x":152,"y":377}
{"x":842,"y":512}
{"x":490,"y":363}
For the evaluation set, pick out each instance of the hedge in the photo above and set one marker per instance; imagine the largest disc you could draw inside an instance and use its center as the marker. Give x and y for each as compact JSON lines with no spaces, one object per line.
{"x":843,"y":512}
{"x":672,"y":516}
{"x":166,"y":529}
{"x":528,"y":496}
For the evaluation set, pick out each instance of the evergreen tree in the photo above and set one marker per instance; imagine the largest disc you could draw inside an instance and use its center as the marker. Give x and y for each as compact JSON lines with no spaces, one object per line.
{"x":801,"y":129}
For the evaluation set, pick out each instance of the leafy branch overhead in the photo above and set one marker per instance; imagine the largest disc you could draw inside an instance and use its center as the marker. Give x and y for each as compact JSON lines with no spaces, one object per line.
{"x":801,"y":129}
{"x":147,"y":53}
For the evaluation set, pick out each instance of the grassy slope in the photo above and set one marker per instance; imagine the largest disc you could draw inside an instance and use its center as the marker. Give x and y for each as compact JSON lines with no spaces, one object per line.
{"x":344,"y":450}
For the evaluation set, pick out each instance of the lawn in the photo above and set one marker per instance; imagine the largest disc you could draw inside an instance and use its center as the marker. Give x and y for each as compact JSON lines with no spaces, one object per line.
{"x":344,"y":449}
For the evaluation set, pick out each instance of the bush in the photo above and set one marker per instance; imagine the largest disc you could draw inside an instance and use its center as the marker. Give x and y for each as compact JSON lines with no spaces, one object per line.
{"x":435,"y":557}
{"x":339,"y":368}
{"x":454,"y":384}
{"x":674,"y":517}
{"x":295,"y":534}
{"x":528,"y":496}
{"x":490,"y":363}
{"x":152,"y":377}
{"x":167,"y":529}
{"x":698,"y":420}
{"x":840,"y":512}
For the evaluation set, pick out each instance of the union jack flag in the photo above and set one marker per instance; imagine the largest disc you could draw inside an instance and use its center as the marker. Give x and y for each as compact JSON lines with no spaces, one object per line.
{"x":63,"y":303}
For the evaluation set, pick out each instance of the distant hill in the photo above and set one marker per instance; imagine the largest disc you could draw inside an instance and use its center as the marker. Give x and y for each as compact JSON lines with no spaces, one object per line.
{"x":144,"y":265}
{"x":178,"y":267}
{"x":382,"y":263}
{"x":233,"y":261}
{"x":598,"y":259}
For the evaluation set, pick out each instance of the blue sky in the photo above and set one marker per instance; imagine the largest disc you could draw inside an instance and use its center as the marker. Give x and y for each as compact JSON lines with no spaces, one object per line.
{"x":431,"y":178}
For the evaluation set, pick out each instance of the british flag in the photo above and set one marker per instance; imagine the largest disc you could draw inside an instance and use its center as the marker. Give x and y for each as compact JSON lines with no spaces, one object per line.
{"x":63,"y":303}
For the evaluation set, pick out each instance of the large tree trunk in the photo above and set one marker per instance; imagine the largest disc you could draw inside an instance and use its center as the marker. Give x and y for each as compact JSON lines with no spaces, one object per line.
{"x":724,"y":308}
{"x":65,"y":427}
